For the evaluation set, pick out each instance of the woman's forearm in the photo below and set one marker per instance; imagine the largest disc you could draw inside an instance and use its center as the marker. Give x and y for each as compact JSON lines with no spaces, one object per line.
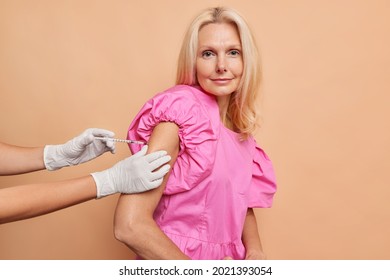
{"x":153,"y":244}
{"x":251,"y":238}
{"x":142,"y":235}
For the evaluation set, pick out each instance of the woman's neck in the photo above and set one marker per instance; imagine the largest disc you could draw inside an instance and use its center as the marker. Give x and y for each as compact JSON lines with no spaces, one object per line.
{"x":223,"y":104}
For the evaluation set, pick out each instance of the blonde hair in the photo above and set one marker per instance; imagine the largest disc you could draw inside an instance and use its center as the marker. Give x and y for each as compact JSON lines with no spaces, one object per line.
{"x":241,"y":115}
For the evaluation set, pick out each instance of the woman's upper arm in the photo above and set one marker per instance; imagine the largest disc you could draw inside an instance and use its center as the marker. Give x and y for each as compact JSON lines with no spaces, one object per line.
{"x":165,"y":136}
{"x":141,"y":205}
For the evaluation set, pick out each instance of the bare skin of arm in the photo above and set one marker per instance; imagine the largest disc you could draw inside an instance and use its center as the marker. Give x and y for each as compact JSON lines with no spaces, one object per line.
{"x":18,"y":160}
{"x":27,"y":201}
{"x":251,"y":238}
{"x":133,"y":223}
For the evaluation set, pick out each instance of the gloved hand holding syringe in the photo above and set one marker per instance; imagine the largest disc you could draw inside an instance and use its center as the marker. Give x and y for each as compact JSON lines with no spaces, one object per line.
{"x":137,"y":173}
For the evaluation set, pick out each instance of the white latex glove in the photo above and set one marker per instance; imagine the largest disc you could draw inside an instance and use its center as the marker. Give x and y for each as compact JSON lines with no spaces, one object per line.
{"x":133,"y":174}
{"x":78,"y":150}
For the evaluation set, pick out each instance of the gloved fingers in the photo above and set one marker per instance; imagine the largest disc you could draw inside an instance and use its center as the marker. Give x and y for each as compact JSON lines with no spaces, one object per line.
{"x":159,"y":174}
{"x":87,"y":137}
{"x":155,"y":156}
{"x":108,"y":145}
{"x":83,"y":140}
{"x":111,"y":146}
{"x":158,"y":162}
{"x":101,"y":132}
{"x":140,"y":153}
{"x":154,"y":184}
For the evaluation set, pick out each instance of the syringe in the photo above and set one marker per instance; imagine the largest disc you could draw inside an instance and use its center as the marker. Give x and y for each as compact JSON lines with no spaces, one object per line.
{"x":121,"y":140}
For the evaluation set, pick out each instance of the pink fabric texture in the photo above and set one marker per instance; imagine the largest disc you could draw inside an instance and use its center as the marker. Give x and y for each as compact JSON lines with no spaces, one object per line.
{"x":214,"y":180}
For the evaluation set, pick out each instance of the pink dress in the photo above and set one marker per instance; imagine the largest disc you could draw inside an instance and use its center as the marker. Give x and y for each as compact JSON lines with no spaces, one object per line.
{"x":215,"y":179}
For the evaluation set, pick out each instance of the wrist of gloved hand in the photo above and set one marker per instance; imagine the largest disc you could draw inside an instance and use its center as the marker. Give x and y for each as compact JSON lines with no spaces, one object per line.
{"x":53,"y":158}
{"x":104,"y":184}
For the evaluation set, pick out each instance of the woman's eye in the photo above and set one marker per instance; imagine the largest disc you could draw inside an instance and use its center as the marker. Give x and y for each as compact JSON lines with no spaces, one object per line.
{"x":234,"y":52}
{"x":206,"y":54}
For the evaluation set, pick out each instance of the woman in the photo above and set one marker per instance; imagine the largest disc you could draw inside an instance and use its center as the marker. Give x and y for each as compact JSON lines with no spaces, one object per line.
{"x":204,"y":209}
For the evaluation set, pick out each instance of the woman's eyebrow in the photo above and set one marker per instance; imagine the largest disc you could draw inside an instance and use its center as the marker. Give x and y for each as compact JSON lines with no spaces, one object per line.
{"x":208,"y":46}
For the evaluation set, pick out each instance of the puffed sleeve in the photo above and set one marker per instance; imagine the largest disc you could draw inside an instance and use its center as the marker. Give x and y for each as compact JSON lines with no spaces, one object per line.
{"x":196,"y":134}
{"x":263,"y":185}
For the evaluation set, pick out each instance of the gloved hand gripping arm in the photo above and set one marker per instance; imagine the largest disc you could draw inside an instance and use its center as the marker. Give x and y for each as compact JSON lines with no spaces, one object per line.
{"x":133,"y":174}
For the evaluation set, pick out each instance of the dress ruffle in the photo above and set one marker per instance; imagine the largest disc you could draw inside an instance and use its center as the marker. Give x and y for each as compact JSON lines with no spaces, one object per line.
{"x":196,"y":133}
{"x":263,"y":185}
{"x":205,"y":250}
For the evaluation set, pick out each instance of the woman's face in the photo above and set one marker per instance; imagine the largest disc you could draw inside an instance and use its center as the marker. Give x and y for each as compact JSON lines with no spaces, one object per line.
{"x":219,"y":64}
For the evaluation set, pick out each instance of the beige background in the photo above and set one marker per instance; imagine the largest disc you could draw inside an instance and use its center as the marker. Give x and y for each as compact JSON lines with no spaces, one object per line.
{"x":69,"y":65}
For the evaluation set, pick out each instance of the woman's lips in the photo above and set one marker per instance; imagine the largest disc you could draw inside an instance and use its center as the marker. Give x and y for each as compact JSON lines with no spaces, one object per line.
{"x":221,"y":81}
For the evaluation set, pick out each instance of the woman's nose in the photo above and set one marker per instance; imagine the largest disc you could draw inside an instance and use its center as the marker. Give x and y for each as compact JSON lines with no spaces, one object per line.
{"x":221,"y":65}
